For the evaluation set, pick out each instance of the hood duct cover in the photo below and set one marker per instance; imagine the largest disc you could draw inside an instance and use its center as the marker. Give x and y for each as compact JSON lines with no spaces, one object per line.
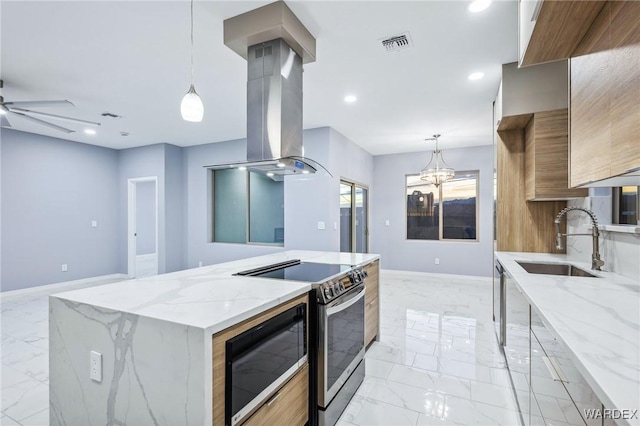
{"x":274,"y":89}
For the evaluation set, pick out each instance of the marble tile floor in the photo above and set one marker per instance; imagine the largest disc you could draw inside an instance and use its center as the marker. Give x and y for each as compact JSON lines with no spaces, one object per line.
{"x":437,"y":361}
{"x":24,"y":353}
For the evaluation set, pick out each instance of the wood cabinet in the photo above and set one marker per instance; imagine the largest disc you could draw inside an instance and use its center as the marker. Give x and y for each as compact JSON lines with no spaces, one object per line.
{"x":547,"y":157}
{"x":294,"y":392}
{"x":605,"y":96}
{"x":288,"y":406}
{"x":550,"y":30}
{"x":371,"y":302}
{"x":521,"y":225}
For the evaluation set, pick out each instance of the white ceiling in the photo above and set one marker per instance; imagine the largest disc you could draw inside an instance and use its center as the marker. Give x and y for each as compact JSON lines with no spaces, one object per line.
{"x":132,"y":59}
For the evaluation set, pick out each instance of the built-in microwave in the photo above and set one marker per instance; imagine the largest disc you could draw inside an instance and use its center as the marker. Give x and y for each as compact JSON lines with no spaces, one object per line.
{"x":263,"y":358}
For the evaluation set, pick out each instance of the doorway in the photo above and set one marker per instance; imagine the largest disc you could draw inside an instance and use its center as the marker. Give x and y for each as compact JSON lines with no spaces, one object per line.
{"x":142,"y":229}
{"x":354,"y":217}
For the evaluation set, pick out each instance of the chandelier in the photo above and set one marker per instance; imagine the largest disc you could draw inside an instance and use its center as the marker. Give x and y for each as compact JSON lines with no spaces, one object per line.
{"x":439,"y":172}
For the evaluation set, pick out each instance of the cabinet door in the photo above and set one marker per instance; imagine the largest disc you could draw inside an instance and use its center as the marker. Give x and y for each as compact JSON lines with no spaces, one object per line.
{"x":517,"y":344}
{"x":625,"y":92}
{"x":371,"y":302}
{"x":289,"y":406}
{"x":590,"y":157}
{"x":547,"y":389}
{"x":560,"y":390}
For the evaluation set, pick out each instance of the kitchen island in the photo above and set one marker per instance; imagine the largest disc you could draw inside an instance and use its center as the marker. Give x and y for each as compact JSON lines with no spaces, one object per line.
{"x":595,"y":322}
{"x":151,"y":339}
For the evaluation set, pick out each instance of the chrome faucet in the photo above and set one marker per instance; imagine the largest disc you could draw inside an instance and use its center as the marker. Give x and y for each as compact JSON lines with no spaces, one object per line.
{"x":596,"y":262}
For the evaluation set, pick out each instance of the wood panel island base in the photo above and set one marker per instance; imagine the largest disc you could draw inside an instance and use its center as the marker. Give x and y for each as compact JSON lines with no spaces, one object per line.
{"x":140,"y":352}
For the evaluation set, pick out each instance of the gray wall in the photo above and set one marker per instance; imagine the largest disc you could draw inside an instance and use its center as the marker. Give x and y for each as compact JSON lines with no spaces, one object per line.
{"x":198,"y":245}
{"x":141,"y":162}
{"x":174,"y":208}
{"x":464,"y":258}
{"x":307,"y":199}
{"x":51,"y":191}
{"x":145,"y":218}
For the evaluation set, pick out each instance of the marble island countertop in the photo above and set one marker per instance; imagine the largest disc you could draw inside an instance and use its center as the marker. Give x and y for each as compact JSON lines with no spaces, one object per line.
{"x":597,"y":319}
{"x":209,"y":297}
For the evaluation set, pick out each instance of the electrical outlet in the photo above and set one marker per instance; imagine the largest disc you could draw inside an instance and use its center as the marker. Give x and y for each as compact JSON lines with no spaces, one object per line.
{"x":200,"y":264}
{"x":94,"y":223}
{"x":437,"y":260}
{"x":387,"y":222}
{"x":64,"y":267}
{"x":321,"y":225}
{"x":95,"y":366}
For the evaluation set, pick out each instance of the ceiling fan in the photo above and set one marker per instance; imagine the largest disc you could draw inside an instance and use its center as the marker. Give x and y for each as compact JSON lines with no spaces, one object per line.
{"x":22,"y":110}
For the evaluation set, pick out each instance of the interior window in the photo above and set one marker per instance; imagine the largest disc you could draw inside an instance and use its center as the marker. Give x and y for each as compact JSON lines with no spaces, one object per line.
{"x":248,"y":207}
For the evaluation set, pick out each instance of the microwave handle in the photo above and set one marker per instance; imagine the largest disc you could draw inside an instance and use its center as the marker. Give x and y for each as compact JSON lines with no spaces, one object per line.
{"x":342,"y":306}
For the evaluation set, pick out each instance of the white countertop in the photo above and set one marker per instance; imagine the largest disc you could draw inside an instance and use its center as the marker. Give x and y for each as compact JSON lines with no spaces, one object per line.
{"x":209,"y":297}
{"x":598,"y":320}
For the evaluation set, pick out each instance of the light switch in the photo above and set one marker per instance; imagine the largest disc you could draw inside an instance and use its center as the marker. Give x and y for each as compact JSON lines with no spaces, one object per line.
{"x":94,"y":223}
{"x":321,"y":225}
{"x":387,"y":222}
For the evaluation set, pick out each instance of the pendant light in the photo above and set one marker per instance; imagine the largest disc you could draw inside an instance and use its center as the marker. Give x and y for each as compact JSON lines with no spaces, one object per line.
{"x":191,"y":106}
{"x":439,"y":172}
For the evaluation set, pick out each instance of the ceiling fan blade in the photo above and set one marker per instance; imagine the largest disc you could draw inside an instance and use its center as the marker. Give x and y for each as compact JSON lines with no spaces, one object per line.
{"x":57,"y":117}
{"x":4,"y":121}
{"x":37,"y":104}
{"x":42,"y":122}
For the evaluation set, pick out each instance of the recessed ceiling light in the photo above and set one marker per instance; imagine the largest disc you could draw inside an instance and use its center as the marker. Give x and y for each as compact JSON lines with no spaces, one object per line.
{"x":270,"y":174}
{"x":281,"y":165}
{"x":90,"y":131}
{"x":305,"y":172}
{"x":242,"y":168}
{"x":350,"y":99}
{"x":476,"y":76}
{"x":479,"y":5}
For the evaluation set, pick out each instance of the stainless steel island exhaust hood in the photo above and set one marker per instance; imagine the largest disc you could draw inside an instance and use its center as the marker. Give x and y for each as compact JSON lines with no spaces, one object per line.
{"x":275,"y":44}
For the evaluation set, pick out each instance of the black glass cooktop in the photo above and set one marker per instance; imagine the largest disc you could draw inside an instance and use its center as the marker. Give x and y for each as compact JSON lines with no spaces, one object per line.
{"x":301,"y":271}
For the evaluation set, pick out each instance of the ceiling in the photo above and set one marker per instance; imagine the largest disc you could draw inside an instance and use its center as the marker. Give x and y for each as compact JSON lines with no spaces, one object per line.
{"x":132,"y":59}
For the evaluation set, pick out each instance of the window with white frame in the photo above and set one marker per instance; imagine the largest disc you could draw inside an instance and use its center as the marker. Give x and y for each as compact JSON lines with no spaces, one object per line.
{"x":448,"y":212}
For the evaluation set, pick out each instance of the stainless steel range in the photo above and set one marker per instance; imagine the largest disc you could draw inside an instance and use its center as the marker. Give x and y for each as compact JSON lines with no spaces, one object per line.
{"x":336,"y":326}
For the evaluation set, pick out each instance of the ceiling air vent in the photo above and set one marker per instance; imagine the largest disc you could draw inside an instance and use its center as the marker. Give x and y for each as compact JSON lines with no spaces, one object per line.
{"x":397,"y":42}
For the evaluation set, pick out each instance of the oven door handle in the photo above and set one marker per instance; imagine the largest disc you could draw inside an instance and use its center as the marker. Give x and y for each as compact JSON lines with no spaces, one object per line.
{"x":355,"y":297}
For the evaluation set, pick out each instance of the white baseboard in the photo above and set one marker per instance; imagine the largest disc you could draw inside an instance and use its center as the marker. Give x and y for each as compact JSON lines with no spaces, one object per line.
{"x":50,"y":288}
{"x":438,"y":275}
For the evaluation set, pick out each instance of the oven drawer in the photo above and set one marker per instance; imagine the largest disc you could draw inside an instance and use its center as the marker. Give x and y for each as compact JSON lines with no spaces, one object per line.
{"x":288,"y":406}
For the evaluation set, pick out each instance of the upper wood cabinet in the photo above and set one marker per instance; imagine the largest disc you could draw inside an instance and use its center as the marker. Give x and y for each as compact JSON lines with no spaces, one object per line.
{"x":550,"y":30}
{"x":605,"y":97}
{"x":546,"y":138}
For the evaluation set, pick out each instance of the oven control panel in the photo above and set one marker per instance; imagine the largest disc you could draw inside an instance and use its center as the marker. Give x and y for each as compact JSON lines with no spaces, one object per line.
{"x":335,"y":288}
